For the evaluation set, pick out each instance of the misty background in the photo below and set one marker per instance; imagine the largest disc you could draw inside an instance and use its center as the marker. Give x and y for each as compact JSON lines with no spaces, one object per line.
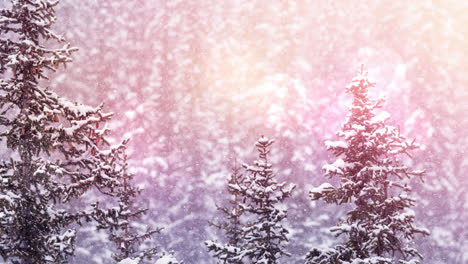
{"x":195,"y":83}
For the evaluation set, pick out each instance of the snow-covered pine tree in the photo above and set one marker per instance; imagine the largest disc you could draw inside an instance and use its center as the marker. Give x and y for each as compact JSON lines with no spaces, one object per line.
{"x":381,"y":224}
{"x":232,"y":227}
{"x":52,"y":144}
{"x":118,"y":222}
{"x":264,"y":236}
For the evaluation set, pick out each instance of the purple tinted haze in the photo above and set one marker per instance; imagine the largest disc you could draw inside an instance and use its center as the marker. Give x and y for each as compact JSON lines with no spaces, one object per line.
{"x":194,"y":84}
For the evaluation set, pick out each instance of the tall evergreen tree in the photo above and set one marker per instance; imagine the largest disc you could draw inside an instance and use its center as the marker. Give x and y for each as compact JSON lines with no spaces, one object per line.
{"x":118,"y":221}
{"x":380,"y":225}
{"x":53,"y":144}
{"x":264,"y":236}
{"x":232,"y":227}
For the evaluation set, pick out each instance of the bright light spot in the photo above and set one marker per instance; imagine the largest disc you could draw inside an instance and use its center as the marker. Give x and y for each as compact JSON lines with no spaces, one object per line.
{"x":400,"y":71}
